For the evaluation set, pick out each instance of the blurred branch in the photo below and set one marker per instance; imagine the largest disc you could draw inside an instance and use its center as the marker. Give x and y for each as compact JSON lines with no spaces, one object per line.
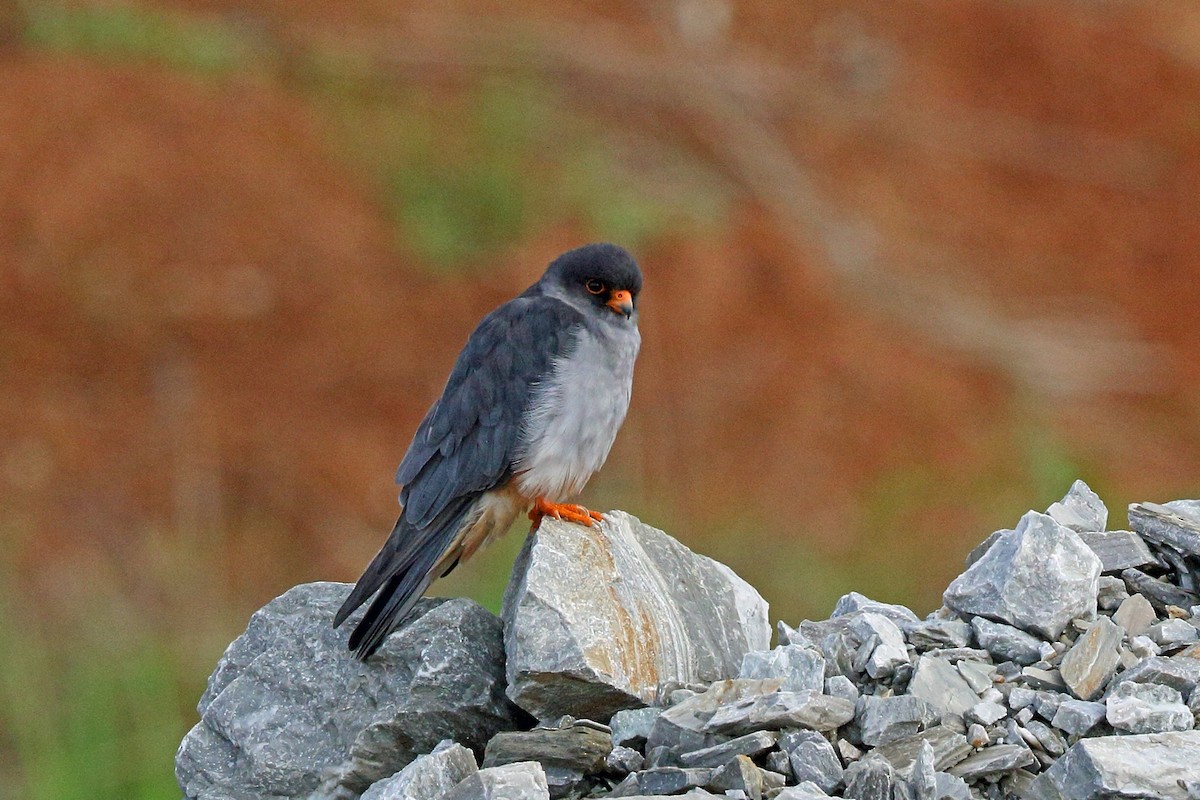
{"x":738,"y":105}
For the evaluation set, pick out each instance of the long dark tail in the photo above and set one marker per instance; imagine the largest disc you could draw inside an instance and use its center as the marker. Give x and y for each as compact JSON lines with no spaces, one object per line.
{"x":400,"y":572}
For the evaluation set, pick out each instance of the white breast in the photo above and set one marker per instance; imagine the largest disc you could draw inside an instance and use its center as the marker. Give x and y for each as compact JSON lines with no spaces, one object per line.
{"x":574,"y":416}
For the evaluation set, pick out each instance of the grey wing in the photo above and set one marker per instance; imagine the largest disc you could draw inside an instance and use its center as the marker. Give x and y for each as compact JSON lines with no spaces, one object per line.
{"x":466,"y":445}
{"x":470,"y":439}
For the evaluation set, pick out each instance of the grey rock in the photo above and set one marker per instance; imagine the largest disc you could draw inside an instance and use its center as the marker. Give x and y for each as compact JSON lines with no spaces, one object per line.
{"x":781,"y":710}
{"x":429,"y":776}
{"x":1143,"y":647}
{"x":812,"y":758}
{"x":1005,"y":642}
{"x":1166,"y":526}
{"x":682,"y":726}
{"x":1118,"y":550}
{"x":931,"y":633}
{"x":1038,"y":578}
{"x":623,"y":760}
{"x":1046,"y":703}
{"x":993,"y":760}
{"x":921,"y":782}
{"x":1188,"y":509}
{"x":1019,"y":697}
{"x":854,"y":602}
{"x":1178,"y":672}
{"x":800,"y":668}
{"x":979,"y":676}
{"x":575,"y":748}
{"x":752,"y":744}
{"x":777,"y":761}
{"x":1111,"y":593}
{"x":977,"y":735}
{"x":1080,"y":509}
{"x":1158,"y":765}
{"x":985,"y":545}
{"x":1172,"y":633}
{"x":882,"y":639}
{"x":949,"y":748}
{"x":841,"y":686}
{"x":1160,"y":593}
{"x":870,"y":778}
{"x":738,"y":774}
{"x":937,"y":682}
{"x":1135,"y":615}
{"x":1077,"y":717}
{"x":987,"y":713}
{"x":951,"y":787}
{"x":886,"y":719}
{"x":631,"y":726}
{"x":1045,"y":738}
{"x":804,"y":791}
{"x":1044,"y":679}
{"x":289,"y":712}
{"x":1090,"y":663}
{"x":671,"y":780}
{"x":522,"y":781}
{"x":597,"y":618}
{"x":1148,"y":708}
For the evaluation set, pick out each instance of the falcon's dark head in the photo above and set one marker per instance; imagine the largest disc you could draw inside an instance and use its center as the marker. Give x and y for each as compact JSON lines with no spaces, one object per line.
{"x":602,"y":275}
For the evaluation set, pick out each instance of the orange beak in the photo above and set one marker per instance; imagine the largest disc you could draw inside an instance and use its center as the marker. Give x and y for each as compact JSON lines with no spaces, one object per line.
{"x":621,"y":301}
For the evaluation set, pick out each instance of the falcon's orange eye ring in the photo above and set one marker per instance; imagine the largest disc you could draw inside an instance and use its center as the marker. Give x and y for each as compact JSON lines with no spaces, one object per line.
{"x":594,"y":286}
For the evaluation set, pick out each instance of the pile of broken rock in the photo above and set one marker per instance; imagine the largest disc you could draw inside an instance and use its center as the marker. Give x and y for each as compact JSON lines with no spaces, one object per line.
{"x":1063,"y":664}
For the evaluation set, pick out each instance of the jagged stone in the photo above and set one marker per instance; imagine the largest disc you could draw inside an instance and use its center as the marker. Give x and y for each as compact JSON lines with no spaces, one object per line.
{"x":949,"y":748}
{"x":623,"y":760}
{"x":1090,"y":663}
{"x":752,"y":744}
{"x":290,"y":712}
{"x":985,"y":545}
{"x":568,"y":754}
{"x":598,"y":618}
{"x":1162,"y":595}
{"x":669,"y":780}
{"x":525,"y":780}
{"x":1167,"y":526}
{"x":1118,"y":550}
{"x":805,"y":790}
{"x":1007,"y":643}
{"x":1077,"y":717}
{"x":781,"y":710}
{"x":1112,"y":592}
{"x":870,"y":778}
{"x":841,"y":686}
{"x":430,"y":775}
{"x":986,"y":713}
{"x":1172,"y":633}
{"x":855,"y":602}
{"x":800,"y":668}
{"x":1080,"y":509}
{"x":1135,"y":615}
{"x":631,"y":727}
{"x":931,"y":633}
{"x":1038,"y":578}
{"x":1159,"y":765}
{"x":979,"y":676}
{"x":682,"y":726}
{"x":993,"y":760}
{"x":1180,"y":673}
{"x":881,"y":640}
{"x":886,"y":719}
{"x":1045,"y":738}
{"x":937,"y":682}
{"x":1147,"y":708}
{"x":1038,"y":678}
{"x":812,"y":758}
{"x":738,"y":774}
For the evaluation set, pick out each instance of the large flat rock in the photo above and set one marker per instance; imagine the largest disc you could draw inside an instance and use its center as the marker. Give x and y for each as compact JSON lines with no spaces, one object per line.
{"x":1160,"y":765}
{"x":290,"y":713}
{"x":598,"y":618}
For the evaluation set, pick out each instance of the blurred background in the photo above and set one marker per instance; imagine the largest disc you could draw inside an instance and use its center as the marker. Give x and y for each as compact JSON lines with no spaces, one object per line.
{"x":911,"y":268}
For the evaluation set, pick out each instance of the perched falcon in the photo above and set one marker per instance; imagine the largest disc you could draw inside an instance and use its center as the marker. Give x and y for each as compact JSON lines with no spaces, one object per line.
{"x":527,"y":417}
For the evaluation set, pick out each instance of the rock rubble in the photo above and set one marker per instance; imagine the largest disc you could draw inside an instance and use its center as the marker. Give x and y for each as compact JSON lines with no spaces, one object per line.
{"x":1063,"y":665}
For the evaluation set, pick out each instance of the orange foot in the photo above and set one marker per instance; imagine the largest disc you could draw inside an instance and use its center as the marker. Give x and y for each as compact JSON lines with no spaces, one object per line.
{"x":567,"y":512}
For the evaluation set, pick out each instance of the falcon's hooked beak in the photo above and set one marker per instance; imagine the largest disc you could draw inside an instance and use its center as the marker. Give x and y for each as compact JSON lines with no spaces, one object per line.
{"x":621,"y":301}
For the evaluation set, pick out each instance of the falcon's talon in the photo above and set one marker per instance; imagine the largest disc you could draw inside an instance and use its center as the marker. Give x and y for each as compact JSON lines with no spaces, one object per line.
{"x":567,"y":512}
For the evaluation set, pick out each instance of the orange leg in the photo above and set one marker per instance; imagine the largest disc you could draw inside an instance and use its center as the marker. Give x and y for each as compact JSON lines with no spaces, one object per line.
{"x":567,"y":512}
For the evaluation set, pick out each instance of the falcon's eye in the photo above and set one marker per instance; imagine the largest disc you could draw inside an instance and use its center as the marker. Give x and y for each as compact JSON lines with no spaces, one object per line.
{"x":595,"y":286}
